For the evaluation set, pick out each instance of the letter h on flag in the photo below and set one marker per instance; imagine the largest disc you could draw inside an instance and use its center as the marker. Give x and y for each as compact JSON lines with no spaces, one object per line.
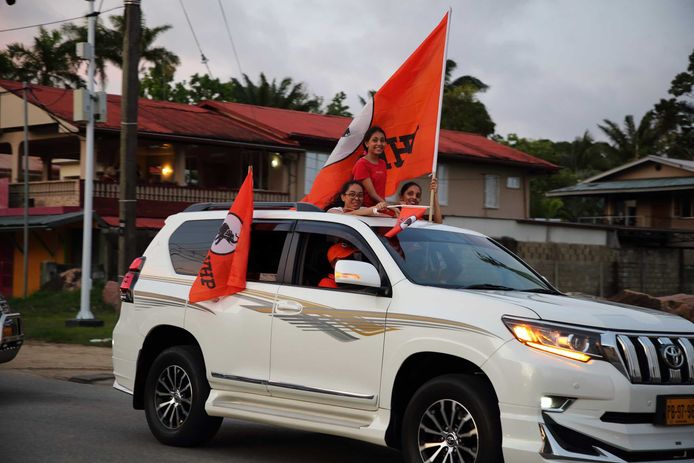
{"x":408,"y":108}
{"x":223,"y":272}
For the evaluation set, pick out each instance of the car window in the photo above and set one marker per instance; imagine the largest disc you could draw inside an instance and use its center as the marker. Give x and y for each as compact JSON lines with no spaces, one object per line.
{"x":458,"y":260}
{"x":188,"y":246}
{"x":311,"y":263}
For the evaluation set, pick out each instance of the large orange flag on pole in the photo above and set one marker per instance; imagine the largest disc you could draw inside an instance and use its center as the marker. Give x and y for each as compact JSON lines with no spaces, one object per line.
{"x":408,"y":108}
{"x":223,"y":272}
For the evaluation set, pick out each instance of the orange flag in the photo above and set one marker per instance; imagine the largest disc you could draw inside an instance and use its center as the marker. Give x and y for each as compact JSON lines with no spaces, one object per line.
{"x":407,"y":107}
{"x":408,"y":216}
{"x":223,"y":272}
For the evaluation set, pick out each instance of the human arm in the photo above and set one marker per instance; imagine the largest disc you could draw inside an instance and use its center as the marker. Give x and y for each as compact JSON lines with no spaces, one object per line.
{"x":370,"y":190}
{"x":436,"y":209}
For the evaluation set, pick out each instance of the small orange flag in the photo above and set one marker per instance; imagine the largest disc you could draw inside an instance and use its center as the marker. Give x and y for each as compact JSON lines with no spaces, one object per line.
{"x":223,"y":272}
{"x":408,"y":216}
{"x":407,"y":107}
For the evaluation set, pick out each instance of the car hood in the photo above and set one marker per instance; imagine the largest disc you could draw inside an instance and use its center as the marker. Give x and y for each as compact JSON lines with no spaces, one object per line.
{"x":598,"y":314}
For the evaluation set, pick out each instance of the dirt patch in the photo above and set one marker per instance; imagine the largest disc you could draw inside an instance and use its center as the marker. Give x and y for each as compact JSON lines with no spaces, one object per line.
{"x":62,"y":361}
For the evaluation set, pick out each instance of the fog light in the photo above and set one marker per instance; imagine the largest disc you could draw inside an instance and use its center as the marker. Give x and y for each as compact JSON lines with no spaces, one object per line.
{"x":550,"y":403}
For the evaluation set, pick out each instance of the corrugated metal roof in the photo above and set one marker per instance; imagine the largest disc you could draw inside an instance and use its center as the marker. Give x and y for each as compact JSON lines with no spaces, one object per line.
{"x":639,"y":185}
{"x":300,"y":124}
{"x":159,"y":117}
{"x":12,"y":223}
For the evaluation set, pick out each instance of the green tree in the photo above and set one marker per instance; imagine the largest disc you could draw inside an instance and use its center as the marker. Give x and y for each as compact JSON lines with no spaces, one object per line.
{"x":157,"y":84}
{"x":337,"y":106}
{"x":49,"y":61}
{"x":109,"y":45}
{"x":632,"y":142}
{"x":285,"y":94}
{"x":200,"y":88}
{"x":461,"y":109}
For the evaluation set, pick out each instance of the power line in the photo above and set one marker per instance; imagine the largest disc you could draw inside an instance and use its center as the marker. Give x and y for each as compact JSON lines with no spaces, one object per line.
{"x":203,"y":58}
{"x":233,"y":47}
{"x":56,"y":22}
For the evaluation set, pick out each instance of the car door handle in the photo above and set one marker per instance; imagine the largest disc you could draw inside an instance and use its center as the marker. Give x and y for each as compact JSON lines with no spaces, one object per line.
{"x":288,"y":307}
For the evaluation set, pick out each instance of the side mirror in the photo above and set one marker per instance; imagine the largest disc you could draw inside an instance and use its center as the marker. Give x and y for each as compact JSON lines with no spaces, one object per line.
{"x":353,"y":272}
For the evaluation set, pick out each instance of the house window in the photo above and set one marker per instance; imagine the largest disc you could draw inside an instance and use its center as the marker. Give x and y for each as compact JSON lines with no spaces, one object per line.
{"x":442,"y":176}
{"x":491,"y":191}
{"x":513,"y":183}
{"x":684,"y":207}
{"x":314,"y":163}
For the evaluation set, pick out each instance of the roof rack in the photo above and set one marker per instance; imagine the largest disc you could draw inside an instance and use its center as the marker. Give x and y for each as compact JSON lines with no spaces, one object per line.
{"x":261,"y":205}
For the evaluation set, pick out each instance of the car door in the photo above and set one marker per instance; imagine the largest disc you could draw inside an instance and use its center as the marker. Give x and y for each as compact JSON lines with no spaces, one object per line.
{"x":234,"y":331}
{"x":327,"y":343}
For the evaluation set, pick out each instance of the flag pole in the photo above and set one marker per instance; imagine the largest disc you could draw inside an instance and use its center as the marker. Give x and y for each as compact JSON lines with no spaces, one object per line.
{"x":438,"y":119}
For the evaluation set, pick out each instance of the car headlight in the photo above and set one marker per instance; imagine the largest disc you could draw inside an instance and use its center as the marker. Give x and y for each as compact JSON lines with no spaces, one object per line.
{"x":567,"y":341}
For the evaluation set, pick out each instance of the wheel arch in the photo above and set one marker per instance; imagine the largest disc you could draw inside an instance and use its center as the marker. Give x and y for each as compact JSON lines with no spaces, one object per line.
{"x":416,"y":370}
{"x":157,"y":340}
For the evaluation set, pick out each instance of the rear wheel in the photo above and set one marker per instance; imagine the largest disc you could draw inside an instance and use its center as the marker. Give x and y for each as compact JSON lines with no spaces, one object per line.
{"x":452,"y":418}
{"x":175,"y":395}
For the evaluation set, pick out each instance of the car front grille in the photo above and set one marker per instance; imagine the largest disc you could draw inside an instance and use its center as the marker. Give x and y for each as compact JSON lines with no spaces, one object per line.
{"x":653,"y":359}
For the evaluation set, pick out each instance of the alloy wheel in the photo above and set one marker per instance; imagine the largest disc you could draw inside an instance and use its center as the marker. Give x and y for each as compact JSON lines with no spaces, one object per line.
{"x":173,"y":396}
{"x":447,"y":433}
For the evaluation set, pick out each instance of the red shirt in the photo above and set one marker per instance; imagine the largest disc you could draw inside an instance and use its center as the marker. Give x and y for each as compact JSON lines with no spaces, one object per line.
{"x":376,"y":172}
{"x":328,"y":282}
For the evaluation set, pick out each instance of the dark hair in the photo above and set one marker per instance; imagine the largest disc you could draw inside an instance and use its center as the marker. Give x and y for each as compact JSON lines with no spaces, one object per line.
{"x":406,"y":186}
{"x":337,"y":199}
{"x":371,"y":131}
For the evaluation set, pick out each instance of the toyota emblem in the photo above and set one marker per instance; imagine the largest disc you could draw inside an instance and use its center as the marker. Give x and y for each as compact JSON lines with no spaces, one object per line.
{"x":673,"y":356}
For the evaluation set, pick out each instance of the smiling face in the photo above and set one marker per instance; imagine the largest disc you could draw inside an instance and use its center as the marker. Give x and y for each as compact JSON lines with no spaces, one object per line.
{"x":412,"y":196}
{"x":353,"y":197}
{"x":376,"y":143}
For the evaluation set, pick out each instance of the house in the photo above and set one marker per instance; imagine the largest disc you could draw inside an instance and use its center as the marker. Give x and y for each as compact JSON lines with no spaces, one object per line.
{"x":188,"y":154}
{"x":654,"y":192}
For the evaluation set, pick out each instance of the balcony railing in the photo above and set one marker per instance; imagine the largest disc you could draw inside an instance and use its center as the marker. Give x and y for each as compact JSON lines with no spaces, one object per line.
{"x":622,"y":220}
{"x":69,"y":193}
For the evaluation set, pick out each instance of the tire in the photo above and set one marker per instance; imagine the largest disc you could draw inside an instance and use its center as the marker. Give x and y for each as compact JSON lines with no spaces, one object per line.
{"x":458,"y":417}
{"x":175,"y":393}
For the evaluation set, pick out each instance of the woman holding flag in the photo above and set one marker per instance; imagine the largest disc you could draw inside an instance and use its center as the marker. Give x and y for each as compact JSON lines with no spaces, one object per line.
{"x":350,"y":199}
{"x":411,"y":195}
{"x":370,"y":169}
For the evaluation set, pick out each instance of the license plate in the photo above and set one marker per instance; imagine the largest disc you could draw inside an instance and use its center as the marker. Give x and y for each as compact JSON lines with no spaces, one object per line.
{"x":675,"y":410}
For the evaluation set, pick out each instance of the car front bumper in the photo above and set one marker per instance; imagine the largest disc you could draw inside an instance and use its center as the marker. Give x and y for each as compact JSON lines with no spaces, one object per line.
{"x":608,"y":418}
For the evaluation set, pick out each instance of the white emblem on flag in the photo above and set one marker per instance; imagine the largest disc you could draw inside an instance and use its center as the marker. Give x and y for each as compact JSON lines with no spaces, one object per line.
{"x":353,"y":136}
{"x":227,"y":236}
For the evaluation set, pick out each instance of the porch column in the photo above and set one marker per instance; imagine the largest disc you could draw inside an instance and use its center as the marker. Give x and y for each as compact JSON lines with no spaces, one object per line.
{"x":46,"y":168}
{"x":15,"y":140}
{"x":83,"y":158}
{"x":179,"y":165}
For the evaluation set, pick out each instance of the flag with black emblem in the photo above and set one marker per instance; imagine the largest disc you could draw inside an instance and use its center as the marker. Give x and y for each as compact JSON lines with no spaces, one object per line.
{"x":223,"y":271}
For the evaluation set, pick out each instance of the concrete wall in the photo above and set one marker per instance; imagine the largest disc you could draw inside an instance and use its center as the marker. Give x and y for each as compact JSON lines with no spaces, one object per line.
{"x":590,"y":260}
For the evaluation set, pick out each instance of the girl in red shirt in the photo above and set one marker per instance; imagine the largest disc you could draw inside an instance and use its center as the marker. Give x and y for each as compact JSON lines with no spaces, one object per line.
{"x":370,"y":169}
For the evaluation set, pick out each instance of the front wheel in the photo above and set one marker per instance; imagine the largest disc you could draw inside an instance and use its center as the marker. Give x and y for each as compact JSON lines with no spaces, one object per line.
{"x":175,"y":393}
{"x":452,"y":418}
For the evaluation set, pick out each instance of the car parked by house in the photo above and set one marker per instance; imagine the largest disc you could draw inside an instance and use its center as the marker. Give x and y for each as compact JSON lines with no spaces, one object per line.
{"x":439,"y":342}
{"x":12,"y":335}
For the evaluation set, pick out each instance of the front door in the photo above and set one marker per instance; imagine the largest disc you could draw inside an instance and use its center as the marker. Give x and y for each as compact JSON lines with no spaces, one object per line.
{"x":327,"y":343}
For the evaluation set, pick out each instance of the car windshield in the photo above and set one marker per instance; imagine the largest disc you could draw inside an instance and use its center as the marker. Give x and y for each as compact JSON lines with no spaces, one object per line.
{"x":459,"y":260}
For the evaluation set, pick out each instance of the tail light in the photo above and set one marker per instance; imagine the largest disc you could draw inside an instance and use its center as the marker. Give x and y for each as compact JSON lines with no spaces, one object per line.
{"x":127,"y":285}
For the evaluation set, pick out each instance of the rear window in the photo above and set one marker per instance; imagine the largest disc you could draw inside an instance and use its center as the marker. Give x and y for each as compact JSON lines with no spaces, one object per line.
{"x":188,"y":246}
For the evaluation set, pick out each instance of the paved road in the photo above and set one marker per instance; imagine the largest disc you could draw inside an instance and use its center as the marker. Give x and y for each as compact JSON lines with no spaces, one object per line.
{"x":45,"y":419}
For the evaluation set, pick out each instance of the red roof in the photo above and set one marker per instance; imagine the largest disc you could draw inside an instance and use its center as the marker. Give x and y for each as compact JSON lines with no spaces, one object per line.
{"x":299,"y":124}
{"x":259,"y":124}
{"x":157,"y":117}
{"x":140,"y":222}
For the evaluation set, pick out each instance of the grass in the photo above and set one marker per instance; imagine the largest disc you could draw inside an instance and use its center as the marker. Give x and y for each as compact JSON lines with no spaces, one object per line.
{"x":44,"y":314}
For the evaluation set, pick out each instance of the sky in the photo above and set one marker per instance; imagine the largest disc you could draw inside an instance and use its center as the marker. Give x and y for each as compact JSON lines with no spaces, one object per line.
{"x":555,"y":68}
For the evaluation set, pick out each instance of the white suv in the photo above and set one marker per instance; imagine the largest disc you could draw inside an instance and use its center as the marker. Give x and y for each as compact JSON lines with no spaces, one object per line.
{"x":438,"y":341}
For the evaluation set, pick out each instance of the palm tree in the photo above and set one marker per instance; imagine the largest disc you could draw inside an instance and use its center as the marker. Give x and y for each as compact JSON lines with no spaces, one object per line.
{"x":109,"y":45}
{"x":632,"y":142}
{"x":50,"y":61}
{"x":286,"y":94}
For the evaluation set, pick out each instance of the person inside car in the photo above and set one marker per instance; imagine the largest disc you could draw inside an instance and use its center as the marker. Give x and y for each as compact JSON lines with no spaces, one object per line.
{"x":411,"y":195}
{"x":337,"y":251}
{"x":350,"y":199}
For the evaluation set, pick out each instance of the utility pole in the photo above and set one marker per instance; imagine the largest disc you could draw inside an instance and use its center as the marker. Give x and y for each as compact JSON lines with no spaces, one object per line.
{"x":127,"y":233}
{"x":85,"y":317}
